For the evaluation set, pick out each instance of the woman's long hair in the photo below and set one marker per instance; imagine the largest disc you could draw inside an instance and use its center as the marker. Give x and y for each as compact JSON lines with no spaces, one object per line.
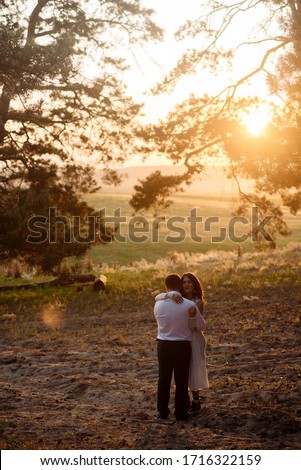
{"x":198,"y":290}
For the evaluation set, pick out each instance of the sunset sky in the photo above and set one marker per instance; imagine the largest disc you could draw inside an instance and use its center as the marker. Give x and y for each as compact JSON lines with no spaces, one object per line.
{"x":170,"y":14}
{"x":152,"y":62}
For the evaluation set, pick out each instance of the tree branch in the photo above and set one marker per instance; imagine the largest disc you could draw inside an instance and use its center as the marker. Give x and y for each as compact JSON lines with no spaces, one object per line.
{"x":259,"y":68}
{"x":33,"y":21}
{"x":204,"y":147}
{"x":31,"y":117}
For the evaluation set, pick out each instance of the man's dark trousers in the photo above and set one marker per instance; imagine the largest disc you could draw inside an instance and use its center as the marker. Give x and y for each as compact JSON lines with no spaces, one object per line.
{"x":173,"y":356}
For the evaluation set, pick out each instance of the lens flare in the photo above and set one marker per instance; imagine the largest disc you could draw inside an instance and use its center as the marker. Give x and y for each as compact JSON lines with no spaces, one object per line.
{"x":53,"y":316}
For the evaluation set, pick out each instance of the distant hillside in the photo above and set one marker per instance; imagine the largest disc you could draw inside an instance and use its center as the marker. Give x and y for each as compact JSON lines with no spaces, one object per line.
{"x":212,"y":182}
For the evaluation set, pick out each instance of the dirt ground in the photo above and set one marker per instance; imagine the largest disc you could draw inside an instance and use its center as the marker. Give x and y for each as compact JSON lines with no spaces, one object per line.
{"x":92,"y":383}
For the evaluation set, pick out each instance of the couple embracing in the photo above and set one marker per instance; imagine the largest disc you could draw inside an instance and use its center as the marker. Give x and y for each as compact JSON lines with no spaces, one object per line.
{"x":180,"y":344}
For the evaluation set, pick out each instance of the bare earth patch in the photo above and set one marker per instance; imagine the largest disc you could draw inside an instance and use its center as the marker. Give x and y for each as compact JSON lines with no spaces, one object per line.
{"x":91,"y":384}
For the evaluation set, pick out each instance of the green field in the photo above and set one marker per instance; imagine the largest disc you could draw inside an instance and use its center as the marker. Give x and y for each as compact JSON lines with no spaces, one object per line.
{"x":154,"y":247}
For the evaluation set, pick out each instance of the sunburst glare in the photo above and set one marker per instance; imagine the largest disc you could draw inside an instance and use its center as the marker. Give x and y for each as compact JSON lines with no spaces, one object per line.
{"x":256,"y":121}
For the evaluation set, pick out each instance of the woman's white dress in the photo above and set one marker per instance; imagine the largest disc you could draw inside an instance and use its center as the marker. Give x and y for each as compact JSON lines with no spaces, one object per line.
{"x":198,"y":376}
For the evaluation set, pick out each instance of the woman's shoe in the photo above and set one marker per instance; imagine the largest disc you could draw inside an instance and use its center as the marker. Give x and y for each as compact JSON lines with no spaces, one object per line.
{"x":195,"y":405}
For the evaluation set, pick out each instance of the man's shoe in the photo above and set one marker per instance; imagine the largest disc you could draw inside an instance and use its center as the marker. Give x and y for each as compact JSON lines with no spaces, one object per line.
{"x":182,"y":417}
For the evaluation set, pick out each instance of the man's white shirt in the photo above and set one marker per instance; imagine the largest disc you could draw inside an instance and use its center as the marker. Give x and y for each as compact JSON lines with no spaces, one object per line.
{"x":172,"y":320}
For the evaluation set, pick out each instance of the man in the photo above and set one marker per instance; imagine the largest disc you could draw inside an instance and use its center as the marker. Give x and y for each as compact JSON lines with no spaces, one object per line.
{"x":173,"y":348}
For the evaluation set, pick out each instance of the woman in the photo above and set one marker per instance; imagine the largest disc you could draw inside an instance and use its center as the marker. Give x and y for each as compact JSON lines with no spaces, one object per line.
{"x":198,"y":378}
{"x":192,"y":289}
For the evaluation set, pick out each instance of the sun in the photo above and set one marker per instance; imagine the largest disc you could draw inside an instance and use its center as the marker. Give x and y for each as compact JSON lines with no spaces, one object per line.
{"x":256,"y":121}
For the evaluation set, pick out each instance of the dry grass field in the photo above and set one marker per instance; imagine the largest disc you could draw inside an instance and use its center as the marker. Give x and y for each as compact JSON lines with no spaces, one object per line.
{"x":79,"y":369}
{"x":218,"y":206}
